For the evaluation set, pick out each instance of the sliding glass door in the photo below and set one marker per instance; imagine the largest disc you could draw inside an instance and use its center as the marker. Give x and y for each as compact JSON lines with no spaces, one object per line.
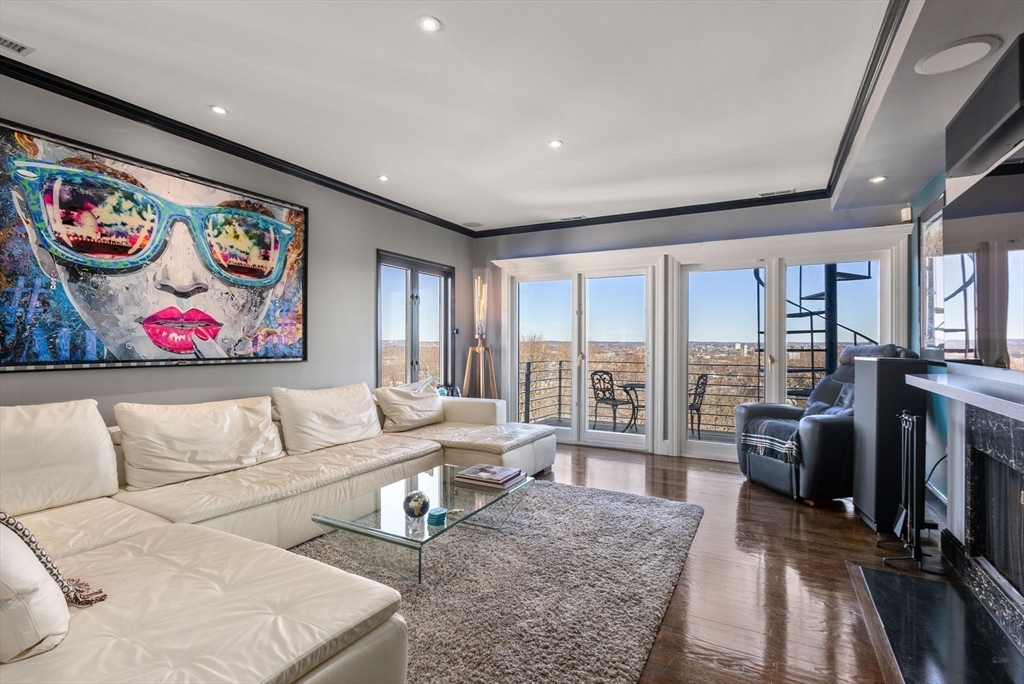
{"x":546,"y":368}
{"x":725,"y":352}
{"x":614,"y":364}
{"x":582,"y":356}
{"x":767,"y":332}
{"x":829,"y":306}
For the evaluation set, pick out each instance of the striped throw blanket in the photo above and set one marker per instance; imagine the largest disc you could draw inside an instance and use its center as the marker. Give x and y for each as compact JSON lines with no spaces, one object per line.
{"x":776,"y":438}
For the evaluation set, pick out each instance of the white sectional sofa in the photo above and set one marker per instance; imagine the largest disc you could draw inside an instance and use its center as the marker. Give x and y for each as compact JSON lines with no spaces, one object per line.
{"x":194,"y":598}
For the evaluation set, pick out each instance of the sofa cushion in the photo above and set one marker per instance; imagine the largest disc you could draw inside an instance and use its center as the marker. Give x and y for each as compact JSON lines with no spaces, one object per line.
{"x":317,"y":419}
{"x":472,"y":410}
{"x":496,"y":439}
{"x":86,"y":525}
{"x":531,"y":458}
{"x":54,"y":455}
{"x":410,"y":406}
{"x":167,"y":444}
{"x":33,"y":613}
{"x":216,"y":495}
{"x":189,"y":604}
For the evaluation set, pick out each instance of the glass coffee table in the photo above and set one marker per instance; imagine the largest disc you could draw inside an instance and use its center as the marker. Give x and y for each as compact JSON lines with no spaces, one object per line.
{"x":380,"y":514}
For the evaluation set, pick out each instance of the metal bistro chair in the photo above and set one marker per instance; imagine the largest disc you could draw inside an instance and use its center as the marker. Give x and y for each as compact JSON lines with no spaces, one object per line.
{"x":604,"y":393}
{"x":633,"y":390}
{"x":697,"y":400}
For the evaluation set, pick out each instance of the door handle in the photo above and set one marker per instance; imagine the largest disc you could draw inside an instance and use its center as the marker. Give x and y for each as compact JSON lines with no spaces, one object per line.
{"x":771,"y":363}
{"x":579,"y":359}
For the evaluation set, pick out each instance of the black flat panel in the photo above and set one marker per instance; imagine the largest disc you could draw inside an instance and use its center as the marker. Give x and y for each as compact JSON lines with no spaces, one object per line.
{"x":940,"y":632}
{"x":991,"y":122}
{"x":881,"y":395}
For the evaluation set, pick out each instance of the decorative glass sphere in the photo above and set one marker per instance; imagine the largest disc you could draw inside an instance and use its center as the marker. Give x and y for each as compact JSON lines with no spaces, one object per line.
{"x":416,"y":504}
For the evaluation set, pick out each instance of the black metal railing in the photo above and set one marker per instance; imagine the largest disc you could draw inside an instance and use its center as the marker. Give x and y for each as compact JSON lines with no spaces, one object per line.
{"x":545,"y":392}
{"x":729,"y":383}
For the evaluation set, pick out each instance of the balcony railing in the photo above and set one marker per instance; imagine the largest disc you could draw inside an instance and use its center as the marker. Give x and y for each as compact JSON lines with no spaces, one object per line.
{"x":545,"y":393}
{"x":545,"y":389}
{"x":729,"y":383}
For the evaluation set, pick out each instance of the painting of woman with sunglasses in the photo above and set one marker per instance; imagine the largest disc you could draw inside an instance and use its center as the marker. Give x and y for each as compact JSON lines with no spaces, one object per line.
{"x":105,"y":261}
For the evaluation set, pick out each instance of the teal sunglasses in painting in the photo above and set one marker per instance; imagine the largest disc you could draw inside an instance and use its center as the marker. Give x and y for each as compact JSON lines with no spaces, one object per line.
{"x":98,"y":222}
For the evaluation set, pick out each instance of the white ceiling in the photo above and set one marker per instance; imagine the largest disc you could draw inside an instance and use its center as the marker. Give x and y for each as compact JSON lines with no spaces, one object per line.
{"x":905,"y":138}
{"x":660,"y":104}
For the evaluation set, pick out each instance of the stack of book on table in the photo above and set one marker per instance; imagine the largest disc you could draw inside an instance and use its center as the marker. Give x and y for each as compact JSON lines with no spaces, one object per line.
{"x":494,"y":477}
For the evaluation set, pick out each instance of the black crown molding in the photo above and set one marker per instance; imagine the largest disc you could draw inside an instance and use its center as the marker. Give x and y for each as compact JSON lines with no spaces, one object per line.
{"x":75,"y":91}
{"x":883,"y":42}
{"x":894,"y":12}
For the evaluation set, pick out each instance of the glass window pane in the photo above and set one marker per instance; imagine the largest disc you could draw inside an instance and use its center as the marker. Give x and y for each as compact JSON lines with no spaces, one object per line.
{"x":431,"y":334}
{"x":394,"y":299}
{"x":616,"y":353}
{"x":1015,"y":310}
{"x":725,"y":350}
{"x":811,"y":311}
{"x":545,"y":352}
{"x":955,"y":315}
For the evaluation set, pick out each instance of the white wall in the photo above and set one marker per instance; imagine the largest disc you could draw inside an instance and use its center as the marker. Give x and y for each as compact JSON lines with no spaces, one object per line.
{"x":344,"y":234}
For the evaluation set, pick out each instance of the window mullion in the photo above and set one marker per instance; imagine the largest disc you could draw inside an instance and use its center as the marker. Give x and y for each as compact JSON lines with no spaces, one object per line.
{"x":414,"y":325}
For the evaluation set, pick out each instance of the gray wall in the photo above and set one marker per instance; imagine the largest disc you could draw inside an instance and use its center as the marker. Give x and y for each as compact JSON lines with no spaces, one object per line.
{"x":344,"y":235}
{"x":780,"y":219}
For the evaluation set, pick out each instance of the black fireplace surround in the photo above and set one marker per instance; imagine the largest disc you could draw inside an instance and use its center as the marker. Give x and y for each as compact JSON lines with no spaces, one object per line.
{"x":991,"y":560}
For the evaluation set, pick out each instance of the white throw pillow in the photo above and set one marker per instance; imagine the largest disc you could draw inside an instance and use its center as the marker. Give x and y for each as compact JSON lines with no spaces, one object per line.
{"x":54,"y":455}
{"x":166,"y":444}
{"x":410,"y":406}
{"x":317,"y":419}
{"x":33,"y":612}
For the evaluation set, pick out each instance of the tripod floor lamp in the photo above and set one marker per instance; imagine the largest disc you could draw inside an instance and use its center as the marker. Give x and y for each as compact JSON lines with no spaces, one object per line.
{"x":480,"y":380}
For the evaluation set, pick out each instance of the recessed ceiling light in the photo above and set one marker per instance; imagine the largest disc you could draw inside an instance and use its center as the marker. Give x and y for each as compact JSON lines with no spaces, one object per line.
{"x":429,"y":24}
{"x":217,"y":109}
{"x":958,"y":55}
{"x":555,"y":143}
{"x":383,"y":179}
{"x":876,"y":179}
{"x":473,"y":224}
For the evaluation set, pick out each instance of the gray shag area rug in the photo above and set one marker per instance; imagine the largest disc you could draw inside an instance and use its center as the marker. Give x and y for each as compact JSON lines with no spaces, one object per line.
{"x":571,"y":589}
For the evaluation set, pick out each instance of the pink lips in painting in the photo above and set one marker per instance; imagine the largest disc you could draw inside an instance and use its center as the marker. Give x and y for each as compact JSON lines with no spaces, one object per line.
{"x":172,"y":330}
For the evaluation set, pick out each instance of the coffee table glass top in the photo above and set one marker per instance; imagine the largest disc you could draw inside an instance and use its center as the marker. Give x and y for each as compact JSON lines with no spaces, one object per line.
{"x":380,"y":514}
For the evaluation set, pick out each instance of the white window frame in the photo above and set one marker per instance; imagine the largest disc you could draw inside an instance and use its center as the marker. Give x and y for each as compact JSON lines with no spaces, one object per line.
{"x":889,"y":245}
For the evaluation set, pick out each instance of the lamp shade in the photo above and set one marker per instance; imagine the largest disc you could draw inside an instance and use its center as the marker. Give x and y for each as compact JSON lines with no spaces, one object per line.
{"x":480,"y":300}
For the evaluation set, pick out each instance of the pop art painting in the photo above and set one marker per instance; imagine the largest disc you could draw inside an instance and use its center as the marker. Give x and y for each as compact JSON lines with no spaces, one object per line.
{"x":108,"y":262}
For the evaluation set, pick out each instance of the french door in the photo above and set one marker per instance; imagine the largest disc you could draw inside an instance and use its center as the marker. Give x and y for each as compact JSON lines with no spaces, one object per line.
{"x":768,"y":331}
{"x":582,"y":355}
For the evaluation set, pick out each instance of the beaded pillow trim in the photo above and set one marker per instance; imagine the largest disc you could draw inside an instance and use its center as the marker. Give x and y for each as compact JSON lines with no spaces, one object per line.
{"x":76,"y":592}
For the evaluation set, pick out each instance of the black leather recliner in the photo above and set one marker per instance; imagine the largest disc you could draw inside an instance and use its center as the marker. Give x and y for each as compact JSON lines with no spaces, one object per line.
{"x":823,"y":433}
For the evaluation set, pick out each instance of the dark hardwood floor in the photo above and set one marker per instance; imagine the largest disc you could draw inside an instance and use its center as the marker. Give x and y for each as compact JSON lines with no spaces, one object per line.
{"x":765,"y":595}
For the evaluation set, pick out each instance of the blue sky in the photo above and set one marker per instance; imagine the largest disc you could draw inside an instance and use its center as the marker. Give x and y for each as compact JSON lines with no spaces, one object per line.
{"x":615,"y":308}
{"x":723,"y":305}
{"x":1015,"y":319}
{"x":394,"y":284}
